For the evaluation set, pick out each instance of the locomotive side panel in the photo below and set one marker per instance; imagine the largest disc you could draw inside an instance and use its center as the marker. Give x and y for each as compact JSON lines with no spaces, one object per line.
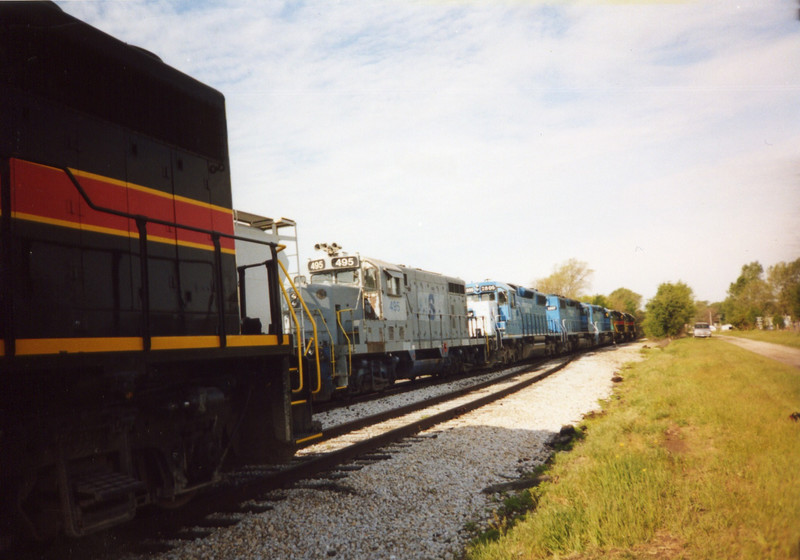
{"x":427,"y":312}
{"x":530,"y":322}
{"x":566,"y":319}
{"x":59,"y":116}
{"x":598,"y":323}
{"x":122,"y":361}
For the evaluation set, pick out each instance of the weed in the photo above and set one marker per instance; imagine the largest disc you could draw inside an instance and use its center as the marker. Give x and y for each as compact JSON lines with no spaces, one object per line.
{"x":697,"y":458}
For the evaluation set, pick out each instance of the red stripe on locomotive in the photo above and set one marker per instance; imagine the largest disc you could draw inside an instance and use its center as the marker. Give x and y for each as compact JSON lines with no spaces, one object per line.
{"x":46,"y":193}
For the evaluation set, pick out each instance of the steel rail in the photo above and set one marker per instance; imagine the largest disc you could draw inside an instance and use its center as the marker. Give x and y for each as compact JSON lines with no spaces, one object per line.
{"x":347,"y":427}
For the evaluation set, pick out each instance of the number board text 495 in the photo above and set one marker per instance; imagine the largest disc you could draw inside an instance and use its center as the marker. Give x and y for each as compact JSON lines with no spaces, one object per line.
{"x":336,"y":262}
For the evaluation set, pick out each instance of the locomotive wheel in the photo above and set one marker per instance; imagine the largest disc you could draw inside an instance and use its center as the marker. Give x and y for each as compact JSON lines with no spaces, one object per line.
{"x":458,"y":366}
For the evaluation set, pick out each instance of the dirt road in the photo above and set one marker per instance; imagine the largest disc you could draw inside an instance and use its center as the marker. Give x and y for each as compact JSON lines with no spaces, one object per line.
{"x":785,"y":354}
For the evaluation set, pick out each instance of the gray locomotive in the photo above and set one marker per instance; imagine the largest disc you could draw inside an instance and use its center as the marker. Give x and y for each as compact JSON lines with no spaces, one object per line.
{"x":366,"y":323}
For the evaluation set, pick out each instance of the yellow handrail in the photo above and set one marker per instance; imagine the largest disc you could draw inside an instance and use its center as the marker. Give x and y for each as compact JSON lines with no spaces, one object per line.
{"x":330,"y":337}
{"x":349,"y":345}
{"x":310,"y":316}
{"x":299,"y":347}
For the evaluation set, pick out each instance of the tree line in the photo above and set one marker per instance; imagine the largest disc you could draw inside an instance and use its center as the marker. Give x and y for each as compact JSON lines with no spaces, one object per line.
{"x":753,"y":294}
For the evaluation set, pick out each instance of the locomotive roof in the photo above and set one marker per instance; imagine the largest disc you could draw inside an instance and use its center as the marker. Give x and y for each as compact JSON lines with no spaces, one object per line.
{"x":51,"y":54}
{"x":401,"y":268}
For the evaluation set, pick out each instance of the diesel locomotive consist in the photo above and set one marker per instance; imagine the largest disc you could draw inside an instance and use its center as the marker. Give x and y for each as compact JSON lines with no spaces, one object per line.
{"x":145,"y":345}
{"x":363,"y":323}
{"x":129,"y":370}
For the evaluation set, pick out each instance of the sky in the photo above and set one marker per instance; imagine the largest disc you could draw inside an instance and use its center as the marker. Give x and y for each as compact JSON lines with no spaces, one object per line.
{"x":654,"y":141}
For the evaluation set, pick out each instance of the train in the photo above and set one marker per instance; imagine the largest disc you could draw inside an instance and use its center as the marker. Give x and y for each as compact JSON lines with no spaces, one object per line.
{"x":361,"y":323}
{"x":152,"y":336}
{"x":130,"y":371}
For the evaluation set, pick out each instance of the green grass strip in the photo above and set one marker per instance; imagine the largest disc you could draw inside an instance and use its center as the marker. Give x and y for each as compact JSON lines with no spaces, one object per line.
{"x":696,"y":456}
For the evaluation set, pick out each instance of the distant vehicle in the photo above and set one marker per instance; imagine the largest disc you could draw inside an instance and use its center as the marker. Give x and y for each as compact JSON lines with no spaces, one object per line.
{"x":702,"y":330}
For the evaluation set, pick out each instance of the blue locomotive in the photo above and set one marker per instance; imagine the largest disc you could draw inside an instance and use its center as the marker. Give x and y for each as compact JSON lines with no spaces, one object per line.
{"x":579,"y":325}
{"x":598,"y":324}
{"x":567,"y":319}
{"x":512,"y":318}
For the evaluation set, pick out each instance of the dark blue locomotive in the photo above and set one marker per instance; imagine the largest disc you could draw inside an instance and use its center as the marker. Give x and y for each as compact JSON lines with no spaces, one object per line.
{"x":513,"y":318}
{"x":598,"y":323}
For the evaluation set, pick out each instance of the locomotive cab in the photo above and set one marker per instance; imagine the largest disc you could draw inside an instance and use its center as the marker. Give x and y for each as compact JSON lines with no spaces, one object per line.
{"x":489,"y":304}
{"x":341,"y":294}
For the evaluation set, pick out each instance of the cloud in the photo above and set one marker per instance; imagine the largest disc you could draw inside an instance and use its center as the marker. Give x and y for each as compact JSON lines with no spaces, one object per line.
{"x":501,"y":139}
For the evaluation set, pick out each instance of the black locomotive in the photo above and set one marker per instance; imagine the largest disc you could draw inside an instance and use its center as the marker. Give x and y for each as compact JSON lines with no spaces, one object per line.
{"x":126,"y":377}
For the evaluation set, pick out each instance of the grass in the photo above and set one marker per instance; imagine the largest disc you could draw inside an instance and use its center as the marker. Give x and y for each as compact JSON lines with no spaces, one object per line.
{"x":696,"y":456}
{"x":787,"y":338}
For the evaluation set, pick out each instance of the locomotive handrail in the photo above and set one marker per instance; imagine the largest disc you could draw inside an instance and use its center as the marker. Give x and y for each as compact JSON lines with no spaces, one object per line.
{"x":349,"y":344}
{"x":330,"y":337}
{"x":299,"y":346}
{"x":482,"y":321}
{"x":141,"y":224}
{"x":158,"y":221}
{"x":311,"y":318}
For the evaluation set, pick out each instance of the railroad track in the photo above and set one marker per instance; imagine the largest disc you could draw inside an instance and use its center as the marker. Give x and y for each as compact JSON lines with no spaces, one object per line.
{"x":403,"y":386}
{"x":398,"y":412}
{"x":340,"y":449}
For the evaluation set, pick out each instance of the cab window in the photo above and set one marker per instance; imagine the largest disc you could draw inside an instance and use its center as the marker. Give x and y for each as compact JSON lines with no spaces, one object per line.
{"x":347,"y":276}
{"x":370,"y":277}
{"x":393,"y":286}
{"x":502,"y":297}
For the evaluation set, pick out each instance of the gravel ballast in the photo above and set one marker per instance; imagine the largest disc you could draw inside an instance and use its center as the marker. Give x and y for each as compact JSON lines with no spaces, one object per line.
{"x":416,"y":503}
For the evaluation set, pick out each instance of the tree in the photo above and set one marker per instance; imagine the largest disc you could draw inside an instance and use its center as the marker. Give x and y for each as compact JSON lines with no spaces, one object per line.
{"x":784,"y":282}
{"x":670,"y":309}
{"x":749,"y":297}
{"x":705,"y":311}
{"x":623,"y":299}
{"x":597,"y":299}
{"x":571,"y":280}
